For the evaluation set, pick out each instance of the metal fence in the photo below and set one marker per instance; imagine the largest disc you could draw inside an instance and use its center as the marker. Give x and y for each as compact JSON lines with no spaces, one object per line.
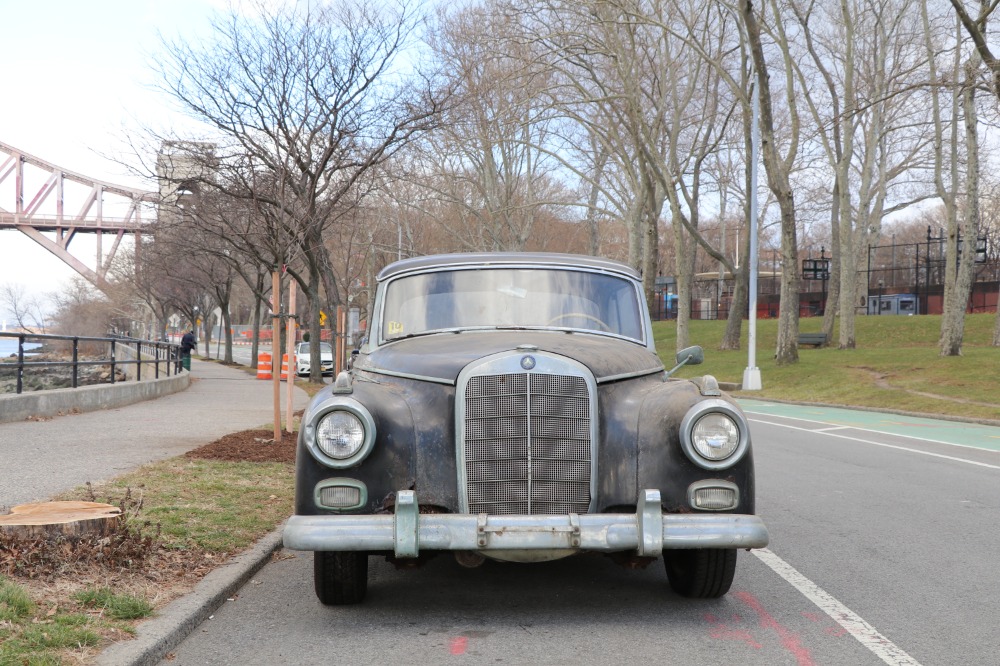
{"x":89,"y":360}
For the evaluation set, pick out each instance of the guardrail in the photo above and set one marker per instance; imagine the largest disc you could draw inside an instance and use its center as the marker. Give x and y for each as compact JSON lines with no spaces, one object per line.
{"x":130,"y":355}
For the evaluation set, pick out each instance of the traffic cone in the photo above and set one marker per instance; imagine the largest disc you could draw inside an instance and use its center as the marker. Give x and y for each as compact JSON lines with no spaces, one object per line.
{"x":264,"y":366}
{"x":284,"y":366}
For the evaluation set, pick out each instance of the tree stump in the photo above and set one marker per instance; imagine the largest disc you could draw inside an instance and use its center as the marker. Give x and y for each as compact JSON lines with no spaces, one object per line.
{"x":49,"y":520}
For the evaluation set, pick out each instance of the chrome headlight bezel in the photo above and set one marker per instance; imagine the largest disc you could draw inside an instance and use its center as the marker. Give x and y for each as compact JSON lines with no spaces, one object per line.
{"x":359,"y":412}
{"x":726,"y":410}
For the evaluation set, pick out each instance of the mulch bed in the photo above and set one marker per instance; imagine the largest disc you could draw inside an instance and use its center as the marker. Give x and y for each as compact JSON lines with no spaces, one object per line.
{"x":249,"y":446}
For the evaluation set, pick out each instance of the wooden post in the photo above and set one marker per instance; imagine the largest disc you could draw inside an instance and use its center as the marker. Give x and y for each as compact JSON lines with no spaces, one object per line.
{"x":341,"y":334}
{"x":276,"y":349}
{"x":290,"y":347}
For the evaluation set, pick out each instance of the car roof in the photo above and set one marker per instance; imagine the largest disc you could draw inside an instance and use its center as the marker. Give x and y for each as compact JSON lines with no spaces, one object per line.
{"x":467,"y":259}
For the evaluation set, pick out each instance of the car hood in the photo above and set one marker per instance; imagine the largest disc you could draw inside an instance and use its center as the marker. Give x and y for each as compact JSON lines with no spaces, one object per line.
{"x":442,"y":356}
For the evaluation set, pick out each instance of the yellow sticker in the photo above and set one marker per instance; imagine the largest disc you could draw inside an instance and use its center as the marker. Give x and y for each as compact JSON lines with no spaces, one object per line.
{"x":395,"y":327}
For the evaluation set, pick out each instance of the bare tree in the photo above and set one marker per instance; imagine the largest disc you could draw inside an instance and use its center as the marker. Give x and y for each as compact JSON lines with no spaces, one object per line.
{"x":959,"y":265}
{"x":952,"y":324}
{"x":299,"y":104}
{"x":26,"y":310}
{"x":599,"y":53}
{"x":778,"y":168}
{"x":872,"y":128}
{"x":488,"y":161}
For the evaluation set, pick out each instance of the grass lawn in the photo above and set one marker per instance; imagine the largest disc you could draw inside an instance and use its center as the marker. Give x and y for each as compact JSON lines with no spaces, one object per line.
{"x":895,"y":365}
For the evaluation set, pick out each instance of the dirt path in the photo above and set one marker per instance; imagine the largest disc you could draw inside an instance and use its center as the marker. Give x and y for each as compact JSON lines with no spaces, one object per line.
{"x":881,"y":381}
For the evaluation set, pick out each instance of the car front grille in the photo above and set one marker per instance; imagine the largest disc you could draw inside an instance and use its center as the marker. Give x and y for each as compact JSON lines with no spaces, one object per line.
{"x":527,"y":444}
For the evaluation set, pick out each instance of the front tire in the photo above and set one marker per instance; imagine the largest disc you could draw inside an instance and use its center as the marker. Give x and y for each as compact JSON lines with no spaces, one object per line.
{"x":340,"y":578}
{"x":700,"y":573}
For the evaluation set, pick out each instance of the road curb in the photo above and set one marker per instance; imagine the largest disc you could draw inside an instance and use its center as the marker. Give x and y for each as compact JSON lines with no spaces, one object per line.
{"x":158,"y":636}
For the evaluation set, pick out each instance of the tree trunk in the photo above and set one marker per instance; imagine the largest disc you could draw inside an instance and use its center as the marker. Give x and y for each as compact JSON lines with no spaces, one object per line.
{"x":832,"y":299}
{"x":787,"y":350}
{"x":737,"y":308}
{"x":50,"y":520}
{"x":848,"y":260}
{"x":683,"y":281}
{"x":996,"y":328}
{"x":595,"y":189}
{"x":651,"y":252}
{"x":953,"y":319}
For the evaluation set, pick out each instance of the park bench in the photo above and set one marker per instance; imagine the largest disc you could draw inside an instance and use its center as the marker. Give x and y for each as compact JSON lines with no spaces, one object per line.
{"x":814,"y":339}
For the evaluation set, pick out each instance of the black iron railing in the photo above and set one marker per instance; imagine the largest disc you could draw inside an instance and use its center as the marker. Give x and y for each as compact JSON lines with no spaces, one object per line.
{"x":133,"y":358}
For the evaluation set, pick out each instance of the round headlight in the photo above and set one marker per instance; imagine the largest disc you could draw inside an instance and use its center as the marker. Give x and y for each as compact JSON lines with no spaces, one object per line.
{"x":340,"y":434}
{"x":715,"y":436}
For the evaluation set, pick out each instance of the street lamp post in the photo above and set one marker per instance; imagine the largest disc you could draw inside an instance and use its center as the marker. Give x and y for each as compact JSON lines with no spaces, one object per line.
{"x":751,"y":375}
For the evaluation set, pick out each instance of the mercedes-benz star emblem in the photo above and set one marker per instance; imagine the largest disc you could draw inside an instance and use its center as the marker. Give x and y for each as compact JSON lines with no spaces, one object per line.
{"x":528,"y":362}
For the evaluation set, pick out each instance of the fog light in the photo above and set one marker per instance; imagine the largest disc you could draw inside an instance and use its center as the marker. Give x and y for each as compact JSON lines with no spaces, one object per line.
{"x":713,"y":496}
{"x":341,"y":494}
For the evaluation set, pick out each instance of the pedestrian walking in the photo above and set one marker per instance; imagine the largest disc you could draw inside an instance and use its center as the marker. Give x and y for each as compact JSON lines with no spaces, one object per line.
{"x":188,"y":343}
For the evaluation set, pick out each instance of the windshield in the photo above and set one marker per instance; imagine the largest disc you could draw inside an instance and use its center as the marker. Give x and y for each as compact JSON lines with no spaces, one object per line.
{"x":511,"y":298}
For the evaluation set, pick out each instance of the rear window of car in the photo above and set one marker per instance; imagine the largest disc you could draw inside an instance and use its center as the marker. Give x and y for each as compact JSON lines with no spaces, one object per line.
{"x":303,"y":347}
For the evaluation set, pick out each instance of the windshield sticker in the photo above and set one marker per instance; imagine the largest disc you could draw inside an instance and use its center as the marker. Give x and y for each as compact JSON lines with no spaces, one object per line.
{"x":516,"y":292}
{"x":395,"y":327}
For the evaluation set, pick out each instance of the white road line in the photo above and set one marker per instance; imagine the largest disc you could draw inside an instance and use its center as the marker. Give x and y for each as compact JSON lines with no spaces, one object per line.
{"x":866,"y":634}
{"x":880,"y":432}
{"x":832,"y":428}
{"x":882,"y":444}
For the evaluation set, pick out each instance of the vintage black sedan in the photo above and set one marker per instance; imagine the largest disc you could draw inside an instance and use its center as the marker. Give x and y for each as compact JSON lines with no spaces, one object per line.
{"x":512,"y":406}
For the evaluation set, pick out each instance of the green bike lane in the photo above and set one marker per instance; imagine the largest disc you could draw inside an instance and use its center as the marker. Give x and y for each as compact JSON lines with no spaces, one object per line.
{"x":915,"y":428}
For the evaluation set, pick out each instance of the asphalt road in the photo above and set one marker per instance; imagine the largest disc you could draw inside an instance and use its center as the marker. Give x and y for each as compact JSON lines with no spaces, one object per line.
{"x":883,"y":549}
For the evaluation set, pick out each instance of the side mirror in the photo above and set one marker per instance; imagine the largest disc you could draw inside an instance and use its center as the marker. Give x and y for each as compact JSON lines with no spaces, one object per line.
{"x":691,"y":356}
{"x":688,"y":356}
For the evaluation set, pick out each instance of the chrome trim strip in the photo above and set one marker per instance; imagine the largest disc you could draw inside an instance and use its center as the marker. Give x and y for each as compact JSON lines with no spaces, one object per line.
{"x":605,"y":532}
{"x":407,"y":375}
{"x":505,"y":259}
{"x":630,"y":375}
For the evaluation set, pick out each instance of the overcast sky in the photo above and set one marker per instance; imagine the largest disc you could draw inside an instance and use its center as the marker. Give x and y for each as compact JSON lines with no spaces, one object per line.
{"x":75,"y":80}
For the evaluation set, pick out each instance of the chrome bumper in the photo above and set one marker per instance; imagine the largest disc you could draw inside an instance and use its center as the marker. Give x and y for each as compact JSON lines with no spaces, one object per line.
{"x":648,"y":531}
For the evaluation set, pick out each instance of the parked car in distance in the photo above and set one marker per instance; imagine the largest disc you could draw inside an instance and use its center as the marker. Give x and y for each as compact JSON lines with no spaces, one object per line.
{"x":512,"y":406}
{"x":303,"y":362}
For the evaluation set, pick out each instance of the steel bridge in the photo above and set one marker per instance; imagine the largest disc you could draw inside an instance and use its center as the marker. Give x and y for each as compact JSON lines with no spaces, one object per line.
{"x":34,"y":195}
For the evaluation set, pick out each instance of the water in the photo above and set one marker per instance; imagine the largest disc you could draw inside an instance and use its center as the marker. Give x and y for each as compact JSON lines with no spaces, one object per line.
{"x":8,"y":346}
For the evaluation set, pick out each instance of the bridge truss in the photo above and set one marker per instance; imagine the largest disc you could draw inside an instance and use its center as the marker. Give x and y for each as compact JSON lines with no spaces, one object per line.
{"x":34,"y":195}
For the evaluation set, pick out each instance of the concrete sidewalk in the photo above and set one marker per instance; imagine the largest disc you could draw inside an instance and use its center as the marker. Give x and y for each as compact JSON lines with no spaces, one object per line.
{"x":43,"y":458}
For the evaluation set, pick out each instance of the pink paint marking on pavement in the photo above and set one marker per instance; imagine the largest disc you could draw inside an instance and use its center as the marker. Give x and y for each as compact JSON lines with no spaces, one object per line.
{"x":789,"y":640}
{"x":722,"y":631}
{"x":458,"y":645}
